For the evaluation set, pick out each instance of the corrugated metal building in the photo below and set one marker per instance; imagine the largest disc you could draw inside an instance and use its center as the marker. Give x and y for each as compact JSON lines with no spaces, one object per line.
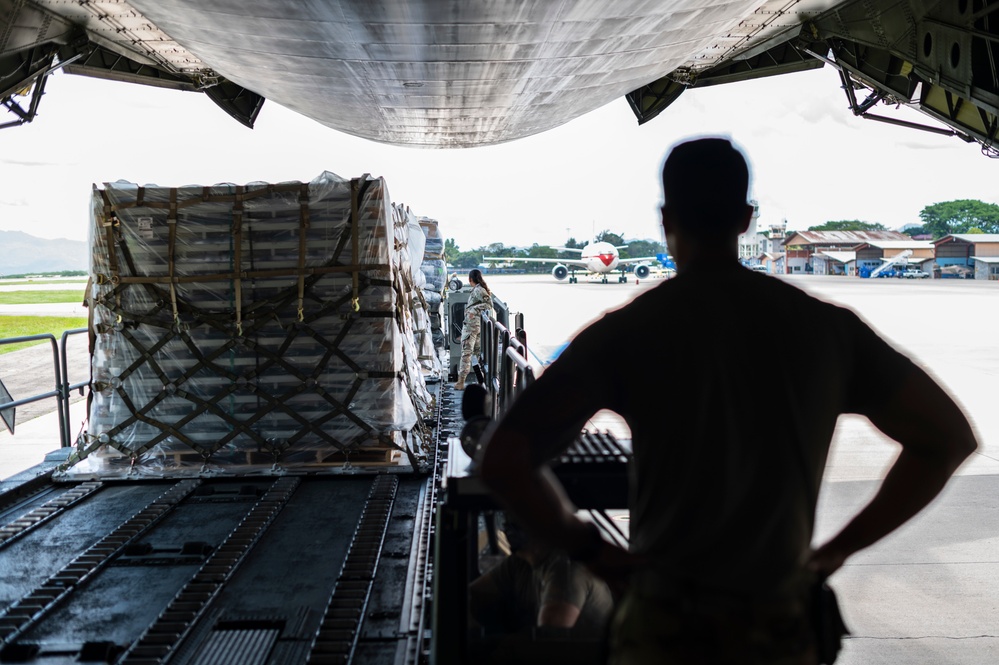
{"x":977,"y":253}
{"x":834,"y":262}
{"x":801,"y":246}
{"x":872,"y":254}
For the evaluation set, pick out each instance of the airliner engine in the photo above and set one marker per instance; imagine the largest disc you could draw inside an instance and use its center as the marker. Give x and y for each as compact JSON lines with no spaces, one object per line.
{"x":560,"y":272}
{"x":641,"y":271}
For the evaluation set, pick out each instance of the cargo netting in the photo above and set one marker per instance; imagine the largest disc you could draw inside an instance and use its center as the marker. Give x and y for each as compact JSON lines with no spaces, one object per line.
{"x":257,"y":328}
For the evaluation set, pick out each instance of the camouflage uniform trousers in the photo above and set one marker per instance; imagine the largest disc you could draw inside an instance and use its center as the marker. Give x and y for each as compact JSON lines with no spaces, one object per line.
{"x":647,"y":631}
{"x":470,"y":343}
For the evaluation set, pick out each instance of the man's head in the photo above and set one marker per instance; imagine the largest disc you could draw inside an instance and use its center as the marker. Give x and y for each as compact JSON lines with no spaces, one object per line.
{"x":705,"y":186}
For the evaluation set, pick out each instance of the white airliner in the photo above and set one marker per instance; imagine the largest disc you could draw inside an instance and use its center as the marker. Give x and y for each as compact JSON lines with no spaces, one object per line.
{"x":600,"y":258}
{"x":453,"y":73}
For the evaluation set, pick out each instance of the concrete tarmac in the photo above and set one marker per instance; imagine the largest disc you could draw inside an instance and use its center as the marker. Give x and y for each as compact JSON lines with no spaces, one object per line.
{"x":28,"y":372}
{"x":31,"y":371}
{"x":925,"y":595}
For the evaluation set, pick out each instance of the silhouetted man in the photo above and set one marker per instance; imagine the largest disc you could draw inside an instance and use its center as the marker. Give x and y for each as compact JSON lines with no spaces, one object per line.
{"x":722,"y":508}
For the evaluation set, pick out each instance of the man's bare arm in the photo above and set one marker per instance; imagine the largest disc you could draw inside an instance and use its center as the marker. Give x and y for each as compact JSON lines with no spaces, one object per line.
{"x":543,"y":421}
{"x":558,"y":614}
{"x":935,"y":437}
{"x":531,"y":492}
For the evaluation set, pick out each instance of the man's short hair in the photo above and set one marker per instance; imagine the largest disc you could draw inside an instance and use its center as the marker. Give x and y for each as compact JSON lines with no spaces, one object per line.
{"x":705,"y":185}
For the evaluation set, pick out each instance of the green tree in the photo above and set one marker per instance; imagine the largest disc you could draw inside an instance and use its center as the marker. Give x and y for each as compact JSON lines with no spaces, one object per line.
{"x":849,"y":225}
{"x":499,"y":249}
{"x":450,"y":247}
{"x":541,"y":252}
{"x":914,"y":231}
{"x":537,"y":251}
{"x":571,"y":243}
{"x":613,"y":238}
{"x":949,"y":217}
{"x":638,"y":248}
{"x":466,"y":260}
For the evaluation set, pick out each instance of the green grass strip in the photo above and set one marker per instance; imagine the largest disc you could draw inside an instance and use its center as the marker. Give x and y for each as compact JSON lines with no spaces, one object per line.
{"x":23,"y":326}
{"x":39,"y":297}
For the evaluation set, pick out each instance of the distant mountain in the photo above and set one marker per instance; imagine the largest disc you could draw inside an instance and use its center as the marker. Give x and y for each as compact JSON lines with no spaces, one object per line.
{"x":22,"y":253}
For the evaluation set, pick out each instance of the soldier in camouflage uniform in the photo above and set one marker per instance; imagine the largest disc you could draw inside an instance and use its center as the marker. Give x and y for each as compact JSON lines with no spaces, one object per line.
{"x":481,"y":300}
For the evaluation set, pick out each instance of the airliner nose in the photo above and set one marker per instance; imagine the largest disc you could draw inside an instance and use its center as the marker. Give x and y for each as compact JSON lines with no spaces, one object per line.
{"x":606,"y":258}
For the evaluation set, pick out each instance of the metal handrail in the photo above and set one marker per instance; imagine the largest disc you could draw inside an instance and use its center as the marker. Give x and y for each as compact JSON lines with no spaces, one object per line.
{"x":62,"y":387}
{"x":521,"y":370}
{"x":67,"y":387}
{"x":507,"y":370}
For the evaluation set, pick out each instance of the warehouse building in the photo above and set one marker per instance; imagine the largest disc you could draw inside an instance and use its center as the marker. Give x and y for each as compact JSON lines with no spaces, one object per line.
{"x":968,"y":255}
{"x":904,"y":254}
{"x":802,"y":246}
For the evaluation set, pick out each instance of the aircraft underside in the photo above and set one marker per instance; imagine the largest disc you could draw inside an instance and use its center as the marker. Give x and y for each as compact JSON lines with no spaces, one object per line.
{"x":455,"y":74}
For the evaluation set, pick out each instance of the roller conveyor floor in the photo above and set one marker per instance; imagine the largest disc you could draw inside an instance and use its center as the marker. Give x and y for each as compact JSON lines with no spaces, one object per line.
{"x":270,"y":569}
{"x":256,"y":569}
{"x":281,"y":569}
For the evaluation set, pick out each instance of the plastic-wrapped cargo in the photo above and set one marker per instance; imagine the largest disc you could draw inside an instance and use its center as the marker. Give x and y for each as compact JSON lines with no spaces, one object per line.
{"x":434,"y":267}
{"x":409,"y":250}
{"x":412,"y":242}
{"x":435,"y":273}
{"x":435,"y":241}
{"x":250,"y":328}
{"x":417,"y":239}
{"x":432,"y":281}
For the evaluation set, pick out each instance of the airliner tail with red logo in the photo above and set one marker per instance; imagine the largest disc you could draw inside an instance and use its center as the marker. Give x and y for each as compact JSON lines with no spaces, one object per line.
{"x":599,"y":258}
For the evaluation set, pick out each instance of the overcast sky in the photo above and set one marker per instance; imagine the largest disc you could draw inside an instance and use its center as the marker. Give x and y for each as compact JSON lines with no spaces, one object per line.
{"x":812,"y":161}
